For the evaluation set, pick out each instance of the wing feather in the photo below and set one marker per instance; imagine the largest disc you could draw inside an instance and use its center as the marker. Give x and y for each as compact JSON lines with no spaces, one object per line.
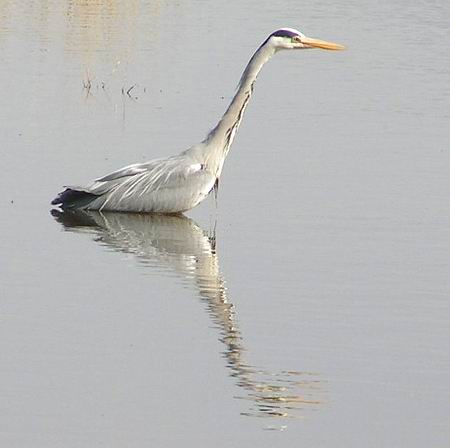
{"x":164,"y":185}
{"x":140,"y":179}
{"x":126,"y":171}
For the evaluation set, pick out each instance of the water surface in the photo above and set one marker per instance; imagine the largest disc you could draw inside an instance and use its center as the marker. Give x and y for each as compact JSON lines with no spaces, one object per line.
{"x":311,"y":306}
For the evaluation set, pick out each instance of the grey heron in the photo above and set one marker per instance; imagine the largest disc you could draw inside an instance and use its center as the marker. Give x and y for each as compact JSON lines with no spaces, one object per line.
{"x":178,"y":183}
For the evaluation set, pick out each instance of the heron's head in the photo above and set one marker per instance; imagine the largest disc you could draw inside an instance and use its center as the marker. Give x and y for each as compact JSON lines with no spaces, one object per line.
{"x":290,"y":39}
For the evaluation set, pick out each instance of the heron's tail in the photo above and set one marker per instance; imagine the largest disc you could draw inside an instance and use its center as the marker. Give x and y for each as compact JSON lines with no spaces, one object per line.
{"x":72,"y":198}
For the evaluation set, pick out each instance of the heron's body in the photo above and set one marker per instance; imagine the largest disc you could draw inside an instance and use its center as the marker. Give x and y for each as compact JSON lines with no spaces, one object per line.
{"x":177,"y":184}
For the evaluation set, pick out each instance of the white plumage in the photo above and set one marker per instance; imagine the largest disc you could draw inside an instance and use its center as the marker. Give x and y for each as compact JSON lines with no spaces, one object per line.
{"x":177,"y":184}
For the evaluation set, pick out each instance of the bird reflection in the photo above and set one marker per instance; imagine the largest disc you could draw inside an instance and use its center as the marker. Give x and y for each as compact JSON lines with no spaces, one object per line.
{"x":178,"y":244}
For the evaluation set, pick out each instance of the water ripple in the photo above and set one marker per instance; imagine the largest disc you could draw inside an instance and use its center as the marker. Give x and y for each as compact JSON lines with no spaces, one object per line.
{"x":175,"y":244}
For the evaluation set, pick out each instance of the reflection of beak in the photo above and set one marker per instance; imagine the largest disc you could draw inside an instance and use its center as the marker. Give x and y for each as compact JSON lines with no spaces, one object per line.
{"x":309,"y":42}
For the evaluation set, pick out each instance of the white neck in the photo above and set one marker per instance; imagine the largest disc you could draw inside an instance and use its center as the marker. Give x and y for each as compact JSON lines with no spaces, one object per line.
{"x":219,"y":140}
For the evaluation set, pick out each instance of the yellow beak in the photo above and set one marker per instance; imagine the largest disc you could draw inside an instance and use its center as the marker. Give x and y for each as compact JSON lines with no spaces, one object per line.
{"x":317,"y":43}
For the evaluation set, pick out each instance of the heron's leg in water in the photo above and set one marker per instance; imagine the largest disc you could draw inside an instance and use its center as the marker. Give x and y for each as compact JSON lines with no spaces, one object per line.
{"x":216,"y":190}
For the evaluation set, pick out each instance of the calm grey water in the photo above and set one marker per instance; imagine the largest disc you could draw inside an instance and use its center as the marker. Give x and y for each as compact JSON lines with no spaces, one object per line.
{"x":311,"y":307}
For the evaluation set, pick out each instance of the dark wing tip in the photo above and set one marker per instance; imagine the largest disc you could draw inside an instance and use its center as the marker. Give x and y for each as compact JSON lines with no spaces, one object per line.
{"x":72,"y":198}
{"x":57,"y":200}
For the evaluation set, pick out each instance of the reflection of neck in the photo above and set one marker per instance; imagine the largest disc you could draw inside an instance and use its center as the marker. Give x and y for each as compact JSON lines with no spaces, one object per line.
{"x":222,"y":136}
{"x":178,"y":242}
{"x":213,"y":291}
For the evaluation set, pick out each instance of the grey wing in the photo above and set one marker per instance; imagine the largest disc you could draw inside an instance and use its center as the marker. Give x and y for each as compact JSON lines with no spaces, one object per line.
{"x":164,"y":185}
{"x":129,"y":170}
